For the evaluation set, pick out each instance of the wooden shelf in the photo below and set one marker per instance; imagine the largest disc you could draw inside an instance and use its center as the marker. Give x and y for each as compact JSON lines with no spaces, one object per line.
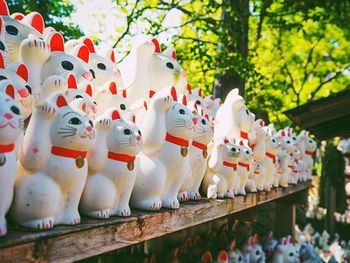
{"x":94,"y":237}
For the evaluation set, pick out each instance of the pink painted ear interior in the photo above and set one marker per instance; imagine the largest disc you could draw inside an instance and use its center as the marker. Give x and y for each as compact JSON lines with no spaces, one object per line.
{"x":10,"y":90}
{"x":241,"y":143}
{"x":262,"y":123}
{"x":113,"y":88}
{"x":212,"y":97}
{"x":133,"y":119}
{"x":112,"y":56}
{"x":195,"y":106}
{"x":207,"y":257}
{"x":226,"y":141}
{"x":88,"y":90}
{"x":256,"y":238}
{"x":200,"y":92}
{"x":83,"y":107}
{"x":173,"y":54}
{"x":57,"y":42}
{"x":115,"y":115}
{"x":173,"y":93}
{"x":283,"y":133}
{"x":232,"y":245}
{"x":189,"y":89}
{"x":157,"y":46}
{"x":72,"y":82}
{"x":18,"y":16}
{"x":4,"y":10}
{"x":284,"y":241}
{"x":2,"y":63}
{"x":188,"y":243}
{"x":207,"y":116}
{"x":145,"y":105}
{"x":151,"y":93}
{"x":1,"y":23}
{"x":22,"y":71}
{"x":88,"y":42}
{"x":61,"y":101}
{"x":223,"y":255}
{"x":124,"y":94}
{"x":184,"y":100}
{"x":84,"y":54}
{"x":38,"y":22}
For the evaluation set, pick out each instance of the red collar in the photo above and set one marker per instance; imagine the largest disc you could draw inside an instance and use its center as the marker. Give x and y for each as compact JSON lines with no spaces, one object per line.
{"x":67,"y":152}
{"x":246,"y":165}
{"x":256,"y":172}
{"x":121,"y":157}
{"x":309,"y":152}
{"x":200,"y":145}
{"x":5,"y":148}
{"x":230,"y":164}
{"x":290,"y":166}
{"x":244,"y":135}
{"x":176,"y":140}
{"x":270,"y":155}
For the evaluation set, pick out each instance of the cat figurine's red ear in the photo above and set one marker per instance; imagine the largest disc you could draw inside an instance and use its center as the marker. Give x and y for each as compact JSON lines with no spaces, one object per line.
{"x":184,"y":100}
{"x":151,"y":93}
{"x":4,"y":10}
{"x":189,"y":89}
{"x":90,"y":45}
{"x":10,"y":91}
{"x":173,"y":93}
{"x":115,"y":115}
{"x":72,"y":82}
{"x":88,"y":90}
{"x":36,"y":21}
{"x":56,"y":42}
{"x":113,"y":88}
{"x":18,"y":16}
{"x":124,"y":94}
{"x":2,"y":63}
{"x":156,"y":45}
{"x":83,"y":53}
{"x":22,"y":71}
{"x":61,"y":101}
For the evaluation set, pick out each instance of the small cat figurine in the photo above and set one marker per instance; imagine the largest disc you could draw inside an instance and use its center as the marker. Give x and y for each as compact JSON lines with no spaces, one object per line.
{"x":147,"y":68}
{"x":270,"y":160}
{"x":285,"y":252}
{"x":17,"y":75}
{"x":243,"y":168}
{"x":234,"y":254}
{"x":252,"y":250}
{"x":221,"y":172}
{"x":307,"y":149}
{"x":285,"y":160}
{"x":11,"y":128}
{"x":112,"y":167}
{"x":17,"y":31}
{"x":180,"y":123}
{"x":52,"y":167}
{"x":151,"y":175}
{"x":233,"y":119}
{"x":198,"y":157}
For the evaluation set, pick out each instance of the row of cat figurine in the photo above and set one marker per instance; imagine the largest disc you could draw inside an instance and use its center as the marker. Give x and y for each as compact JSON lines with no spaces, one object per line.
{"x":79,"y":132}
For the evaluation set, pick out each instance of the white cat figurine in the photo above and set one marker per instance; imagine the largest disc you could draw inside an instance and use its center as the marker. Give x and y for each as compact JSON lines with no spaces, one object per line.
{"x":252,"y":250}
{"x":285,"y":253}
{"x":147,"y":68}
{"x":307,"y":149}
{"x":112,"y":167}
{"x":270,"y":161}
{"x":222,"y":169}
{"x":243,"y":168}
{"x":52,"y":167}
{"x":11,"y":128}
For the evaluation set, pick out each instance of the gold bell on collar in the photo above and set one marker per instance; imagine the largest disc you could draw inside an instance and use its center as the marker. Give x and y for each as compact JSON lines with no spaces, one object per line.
{"x":79,"y":161}
{"x":184,"y":151}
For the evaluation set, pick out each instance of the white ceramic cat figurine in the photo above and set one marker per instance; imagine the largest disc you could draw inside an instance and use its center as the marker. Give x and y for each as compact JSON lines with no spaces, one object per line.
{"x":198,"y":153}
{"x":147,"y":68}
{"x":285,"y":160}
{"x":221,"y":172}
{"x":254,"y":177}
{"x":151,"y":175}
{"x":270,"y":161}
{"x":180,"y":123}
{"x":112,"y":167}
{"x":52,"y":167}
{"x":16,"y":31}
{"x":3,"y":46}
{"x":11,"y":128}
{"x":212,"y":105}
{"x":252,"y":250}
{"x":233,"y":119}
{"x":285,"y":253}
{"x":243,"y":168}
{"x":235,"y":255}
{"x":17,"y":75}
{"x":307,"y":149}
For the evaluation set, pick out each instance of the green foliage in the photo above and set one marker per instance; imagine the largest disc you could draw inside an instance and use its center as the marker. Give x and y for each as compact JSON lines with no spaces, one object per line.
{"x":54,"y":12}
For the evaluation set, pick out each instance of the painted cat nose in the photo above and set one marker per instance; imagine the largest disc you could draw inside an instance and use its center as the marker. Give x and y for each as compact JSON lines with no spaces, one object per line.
{"x":89,"y":129}
{"x":8,"y":116}
{"x":195,"y":120}
{"x":183,"y":73}
{"x":88,"y":75}
{"x":138,"y":138}
{"x":23,"y":92}
{"x":116,"y":74}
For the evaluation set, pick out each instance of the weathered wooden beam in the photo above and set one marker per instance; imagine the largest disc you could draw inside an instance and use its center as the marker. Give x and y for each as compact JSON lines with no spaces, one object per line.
{"x":94,"y":237}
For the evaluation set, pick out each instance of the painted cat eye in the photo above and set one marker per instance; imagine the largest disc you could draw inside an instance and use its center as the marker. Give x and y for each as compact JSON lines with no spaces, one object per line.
{"x":29,"y":89}
{"x":2,"y":46}
{"x":78,"y":97}
{"x":74,"y":121}
{"x":15,"y":110}
{"x":182,"y":111}
{"x":170,"y":65}
{"x":198,"y":102}
{"x":139,"y":132}
{"x":247,"y":111}
{"x":127,"y":132}
{"x":91,"y":123}
{"x":67,"y":65}
{"x":101,"y":66}
{"x":2,"y":77}
{"x":11,"y":30}
{"x":122,"y":107}
{"x":204,"y":122}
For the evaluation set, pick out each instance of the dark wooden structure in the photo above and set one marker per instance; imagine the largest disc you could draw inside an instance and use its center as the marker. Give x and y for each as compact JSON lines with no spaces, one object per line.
{"x":325,"y":118}
{"x":95,"y":237}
